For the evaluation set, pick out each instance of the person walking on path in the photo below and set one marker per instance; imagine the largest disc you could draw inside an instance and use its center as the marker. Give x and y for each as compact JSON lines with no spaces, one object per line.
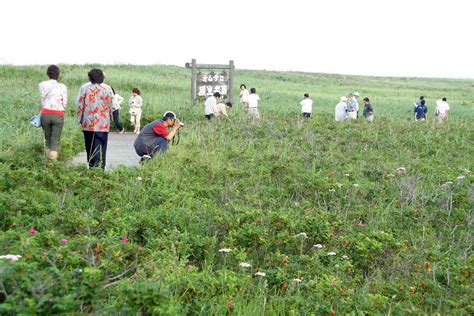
{"x":306,"y":106}
{"x":420,"y":111}
{"x":136,"y":104}
{"x":210,"y":105}
{"x":244,"y":95}
{"x":53,"y":105}
{"x":155,"y":136}
{"x":253,"y":104}
{"x":94,"y":112}
{"x":341,"y":110}
{"x":117,"y":100}
{"x":442,"y":109}
{"x":368,"y":110}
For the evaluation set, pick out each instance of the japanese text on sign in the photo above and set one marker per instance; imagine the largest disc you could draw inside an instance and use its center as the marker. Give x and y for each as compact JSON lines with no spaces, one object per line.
{"x":210,"y":83}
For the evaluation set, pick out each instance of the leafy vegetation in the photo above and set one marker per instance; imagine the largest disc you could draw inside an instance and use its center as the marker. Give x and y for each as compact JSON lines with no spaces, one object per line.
{"x":340,"y":218}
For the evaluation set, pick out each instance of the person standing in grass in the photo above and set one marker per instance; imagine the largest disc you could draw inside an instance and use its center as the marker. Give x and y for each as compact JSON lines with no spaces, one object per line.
{"x":244,"y":95}
{"x":341,"y":110}
{"x":306,"y":106}
{"x":417,"y":103}
{"x":136,"y":103}
{"x":116,"y":111}
{"x":53,"y":105}
{"x":94,"y":112}
{"x":442,"y":109}
{"x":420,"y":111}
{"x":155,"y":137}
{"x":351,"y":107}
{"x":368,"y":110}
{"x":356,"y":102}
{"x":221,"y":109}
{"x":210,"y":105}
{"x":253,"y":104}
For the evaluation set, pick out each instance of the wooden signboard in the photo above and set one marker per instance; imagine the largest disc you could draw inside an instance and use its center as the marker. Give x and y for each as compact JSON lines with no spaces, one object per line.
{"x":206,"y":79}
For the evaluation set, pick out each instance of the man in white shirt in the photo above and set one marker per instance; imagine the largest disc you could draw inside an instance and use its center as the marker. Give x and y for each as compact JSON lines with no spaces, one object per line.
{"x":306,"y":106}
{"x":441,"y":111}
{"x":253,"y":99}
{"x":341,"y":108}
{"x":210,"y":105}
{"x":221,"y":109}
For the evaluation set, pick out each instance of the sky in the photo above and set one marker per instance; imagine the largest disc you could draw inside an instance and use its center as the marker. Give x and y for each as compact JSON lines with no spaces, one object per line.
{"x":414,"y":38}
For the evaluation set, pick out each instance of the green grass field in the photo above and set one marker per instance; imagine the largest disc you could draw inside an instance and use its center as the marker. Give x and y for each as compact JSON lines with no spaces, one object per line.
{"x":392,"y":199}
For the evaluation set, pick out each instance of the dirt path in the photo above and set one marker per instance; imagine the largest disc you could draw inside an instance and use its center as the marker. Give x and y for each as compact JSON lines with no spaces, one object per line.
{"x":120,"y":151}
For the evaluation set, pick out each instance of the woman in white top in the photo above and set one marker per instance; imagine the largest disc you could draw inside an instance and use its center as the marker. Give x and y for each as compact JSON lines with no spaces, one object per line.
{"x":306,"y":106}
{"x":136,"y":103}
{"x":53,"y":105}
{"x":117,"y":100}
{"x":244,"y":95}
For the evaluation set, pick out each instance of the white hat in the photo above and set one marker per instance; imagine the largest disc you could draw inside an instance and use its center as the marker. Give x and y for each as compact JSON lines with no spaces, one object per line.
{"x":343,"y":99}
{"x":356,"y":94}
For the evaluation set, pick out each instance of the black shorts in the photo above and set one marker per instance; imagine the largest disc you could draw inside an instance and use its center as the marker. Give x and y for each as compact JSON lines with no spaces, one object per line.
{"x":305,"y":114}
{"x":209,"y":116}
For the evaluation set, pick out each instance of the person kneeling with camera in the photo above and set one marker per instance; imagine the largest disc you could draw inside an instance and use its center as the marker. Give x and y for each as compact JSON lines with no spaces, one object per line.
{"x":154,"y":137}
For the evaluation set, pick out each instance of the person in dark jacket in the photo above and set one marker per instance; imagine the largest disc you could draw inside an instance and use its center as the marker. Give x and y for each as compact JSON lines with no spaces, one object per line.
{"x":420,"y":111}
{"x":368,"y":110}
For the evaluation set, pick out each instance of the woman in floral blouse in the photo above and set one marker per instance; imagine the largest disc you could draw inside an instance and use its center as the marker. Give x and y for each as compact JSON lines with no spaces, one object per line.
{"x":94,"y":112}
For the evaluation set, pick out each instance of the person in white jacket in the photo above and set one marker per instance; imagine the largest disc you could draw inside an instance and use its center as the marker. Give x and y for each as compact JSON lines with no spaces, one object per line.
{"x":341,"y":110}
{"x":306,"y":106}
{"x":117,"y":100}
{"x":210,"y":106}
{"x":136,"y":104}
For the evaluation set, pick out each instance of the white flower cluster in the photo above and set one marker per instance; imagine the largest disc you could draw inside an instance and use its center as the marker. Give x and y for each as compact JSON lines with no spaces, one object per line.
{"x":261,"y":274}
{"x":225,"y":250}
{"x":245,"y":265}
{"x":318,"y":246}
{"x":11,"y":257}
{"x":302,"y":235}
{"x":332,"y":253}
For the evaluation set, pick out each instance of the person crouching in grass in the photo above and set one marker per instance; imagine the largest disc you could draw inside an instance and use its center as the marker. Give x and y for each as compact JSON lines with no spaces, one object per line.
{"x":53,"y":104}
{"x":221,"y":109}
{"x":154,"y":137}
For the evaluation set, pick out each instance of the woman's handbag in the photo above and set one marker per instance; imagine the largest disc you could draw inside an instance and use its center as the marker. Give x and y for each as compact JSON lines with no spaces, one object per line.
{"x":36,"y":120}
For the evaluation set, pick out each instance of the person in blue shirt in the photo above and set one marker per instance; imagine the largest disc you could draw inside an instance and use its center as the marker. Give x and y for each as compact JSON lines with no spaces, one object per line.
{"x":420,"y":111}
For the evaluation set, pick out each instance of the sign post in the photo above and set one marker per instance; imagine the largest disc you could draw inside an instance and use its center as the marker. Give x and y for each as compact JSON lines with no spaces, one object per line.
{"x":220,"y":79}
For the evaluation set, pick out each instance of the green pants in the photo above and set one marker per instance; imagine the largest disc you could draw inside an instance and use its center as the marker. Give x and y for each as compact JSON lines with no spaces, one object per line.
{"x":52,"y":125}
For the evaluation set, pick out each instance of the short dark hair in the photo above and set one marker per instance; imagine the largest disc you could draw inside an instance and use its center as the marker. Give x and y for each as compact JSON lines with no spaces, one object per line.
{"x":217,"y":94}
{"x":53,"y":72}
{"x":444,"y":99}
{"x":366,"y":99}
{"x":168,"y":116}
{"x":422,"y":97}
{"x":243,"y":85}
{"x":228,"y":103}
{"x":253,"y":90}
{"x":96,"y":76}
{"x":306,"y":95}
{"x":136,"y":90}
{"x":423,"y":102}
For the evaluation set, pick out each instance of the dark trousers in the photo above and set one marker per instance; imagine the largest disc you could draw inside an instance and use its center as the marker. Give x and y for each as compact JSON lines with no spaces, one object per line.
{"x":209,"y":116}
{"x":117,"y":124}
{"x":306,"y":114}
{"x":96,"y":148}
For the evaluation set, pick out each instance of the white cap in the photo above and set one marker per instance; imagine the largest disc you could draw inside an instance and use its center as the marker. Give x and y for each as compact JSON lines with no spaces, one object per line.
{"x":343,"y":99}
{"x":356,"y":94}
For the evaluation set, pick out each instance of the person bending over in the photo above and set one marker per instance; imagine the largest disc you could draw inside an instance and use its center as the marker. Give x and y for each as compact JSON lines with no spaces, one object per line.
{"x":154,"y":137}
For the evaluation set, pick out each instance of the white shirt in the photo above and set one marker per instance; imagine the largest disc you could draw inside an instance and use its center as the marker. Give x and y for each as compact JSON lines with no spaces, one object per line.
{"x":341,"y":111}
{"x":244,"y":95}
{"x":136,"y":102}
{"x":441,"y":107}
{"x":53,"y":95}
{"x":221,"y":108}
{"x":116,"y":102}
{"x":306,"y":105}
{"x":356,"y":104}
{"x":210,"y":105}
{"x":253,"y":99}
